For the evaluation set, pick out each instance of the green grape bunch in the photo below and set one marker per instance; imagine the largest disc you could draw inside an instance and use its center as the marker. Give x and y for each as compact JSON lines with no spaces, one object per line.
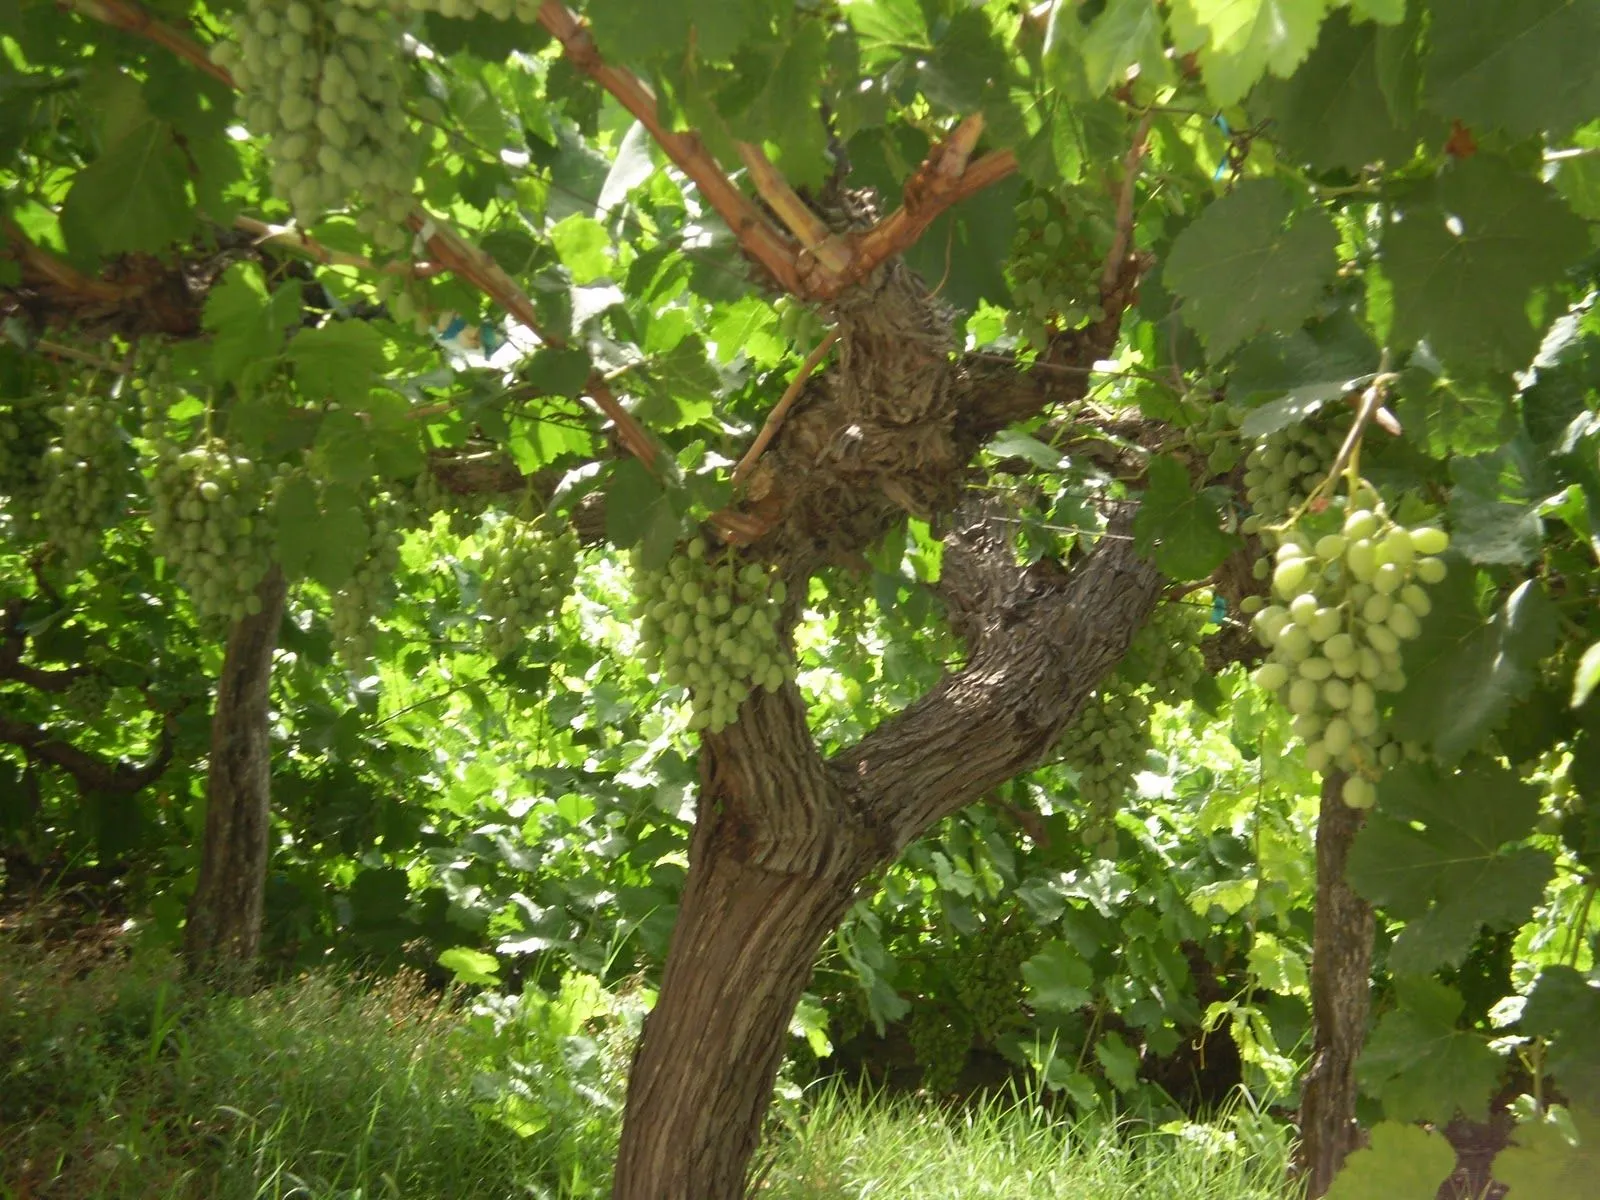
{"x":712,"y":627}
{"x":88,"y":468}
{"x":208,"y":513}
{"x":940,"y":1041}
{"x":1108,"y":741}
{"x":25,"y":433}
{"x":323,"y":83}
{"x":528,"y":571}
{"x":988,"y":979}
{"x":1055,"y":265}
{"x":355,"y":607}
{"x":88,"y":695}
{"x":1283,"y":470}
{"x":1344,"y":604}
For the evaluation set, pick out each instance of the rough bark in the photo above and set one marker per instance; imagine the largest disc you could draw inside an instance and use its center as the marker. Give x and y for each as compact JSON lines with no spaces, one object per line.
{"x":1341,"y":965}
{"x":223,"y":933}
{"x":783,"y":840}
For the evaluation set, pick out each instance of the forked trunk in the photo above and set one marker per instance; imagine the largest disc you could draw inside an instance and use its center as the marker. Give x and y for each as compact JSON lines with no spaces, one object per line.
{"x":223,"y":933}
{"x":1341,"y":962}
{"x":742,"y":953}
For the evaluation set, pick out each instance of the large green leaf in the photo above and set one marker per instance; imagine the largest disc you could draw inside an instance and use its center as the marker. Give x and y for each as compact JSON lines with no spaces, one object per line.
{"x":1451,"y":876}
{"x":133,"y":197}
{"x":1465,"y":263}
{"x":1552,"y":1157}
{"x":1420,"y":1065}
{"x":1058,"y":978}
{"x":1465,"y":672}
{"x":1564,"y":1009}
{"x":1400,"y":1162}
{"x":1128,"y":33}
{"x":1332,"y":111}
{"x":1525,"y":66}
{"x":1240,"y":40}
{"x":1181,"y":529}
{"x":247,"y":322}
{"x":1244,"y":267}
{"x":337,"y":361}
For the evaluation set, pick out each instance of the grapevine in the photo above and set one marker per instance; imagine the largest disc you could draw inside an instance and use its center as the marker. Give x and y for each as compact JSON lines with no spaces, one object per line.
{"x":712,"y":627}
{"x":86,"y":471}
{"x":207,"y":513}
{"x":356,"y":605}
{"x":528,"y":571}
{"x":322,"y":82}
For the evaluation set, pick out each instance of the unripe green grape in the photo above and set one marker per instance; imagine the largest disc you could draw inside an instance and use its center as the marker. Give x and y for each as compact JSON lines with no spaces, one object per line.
{"x":1430,"y":541}
{"x":1288,"y":576}
{"x":1429,"y":570}
{"x":1414,"y":598}
{"x":1302,"y":696}
{"x":1388,"y":578}
{"x":1303,"y":608}
{"x":1315,"y":668}
{"x":1359,"y":793}
{"x":1325,"y":622}
{"x":1271,"y":676}
{"x":1330,"y":547}
{"x":1403,"y":623}
{"x":1337,"y":736}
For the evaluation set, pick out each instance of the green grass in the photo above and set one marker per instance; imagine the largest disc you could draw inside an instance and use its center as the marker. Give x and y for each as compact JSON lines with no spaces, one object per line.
{"x":118,"y":1084}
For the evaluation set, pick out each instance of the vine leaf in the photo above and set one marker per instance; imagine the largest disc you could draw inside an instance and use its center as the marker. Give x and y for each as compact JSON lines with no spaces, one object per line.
{"x":1466,"y":673}
{"x":1564,"y":1008}
{"x":1058,"y":978}
{"x":1240,"y":40}
{"x":1488,"y":527}
{"x":1420,"y":1065}
{"x":1525,"y":66}
{"x":247,"y":323}
{"x":1451,"y":877}
{"x":1465,"y":263}
{"x":134,"y":197}
{"x":1402,"y":1162}
{"x":1587,"y":676}
{"x":1179,"y":528}
{"x":337,"y":361}
{"x":1332,"y":111}
{"x":1244,"y":268}
{"x":1552,"y":1157}
{"x":1128,"y":33}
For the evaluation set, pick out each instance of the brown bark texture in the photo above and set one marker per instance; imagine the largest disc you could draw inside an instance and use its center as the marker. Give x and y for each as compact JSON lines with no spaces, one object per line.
{"x":1341,"y":965}
{"x":223,"y":932}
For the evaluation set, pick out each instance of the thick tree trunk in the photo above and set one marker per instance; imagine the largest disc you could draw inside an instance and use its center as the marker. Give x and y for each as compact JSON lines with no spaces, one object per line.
{"x":783,"y":839}
{"x":1340,"y":968}
{"x":223,"y":933}
{"x":742,"y":953}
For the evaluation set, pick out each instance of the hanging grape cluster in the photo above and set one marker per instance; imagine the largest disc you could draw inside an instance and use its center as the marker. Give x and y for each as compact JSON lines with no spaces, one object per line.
{"x":527,"y":572}
{"x":1055,"y":265}
{"x":208,"y":514}
{"x":1282,"y":470}
{"x":88,"y":695}
{"x":988,"y":978}
{"x":1344,"y":604}
{"x":941,"y":1039}
{"x":322,"y":81}
{"x":1108,"y":742}
{"x":87,"y":469}
{"x":712,"y":627}
{"x":354,"y":609}
{"x":25,"y":432}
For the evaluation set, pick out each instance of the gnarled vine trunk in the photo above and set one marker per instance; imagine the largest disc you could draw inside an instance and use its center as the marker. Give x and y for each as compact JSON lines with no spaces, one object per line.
{"x":1341,"y":964}
{"x":784,"y":838}
{"x":223,"y":932}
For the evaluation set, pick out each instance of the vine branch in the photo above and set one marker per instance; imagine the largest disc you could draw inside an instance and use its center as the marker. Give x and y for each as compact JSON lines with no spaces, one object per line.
{"x":774,"y":420}
{"x":761,"y":240}
{"x":91,"y":772}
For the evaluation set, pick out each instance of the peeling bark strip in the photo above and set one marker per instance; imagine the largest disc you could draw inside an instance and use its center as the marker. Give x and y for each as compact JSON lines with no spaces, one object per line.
{"x":224,"y":925}
{"x":784,"y":840}
{"x":1341,"y":963}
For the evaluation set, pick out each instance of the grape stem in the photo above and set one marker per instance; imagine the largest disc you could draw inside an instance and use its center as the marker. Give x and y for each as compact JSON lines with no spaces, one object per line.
{"x":781,"y":409}
{"x":1348,"y":461}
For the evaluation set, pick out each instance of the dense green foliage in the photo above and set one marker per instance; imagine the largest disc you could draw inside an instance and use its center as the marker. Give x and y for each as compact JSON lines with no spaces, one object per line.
{"x":1363,"y":354}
